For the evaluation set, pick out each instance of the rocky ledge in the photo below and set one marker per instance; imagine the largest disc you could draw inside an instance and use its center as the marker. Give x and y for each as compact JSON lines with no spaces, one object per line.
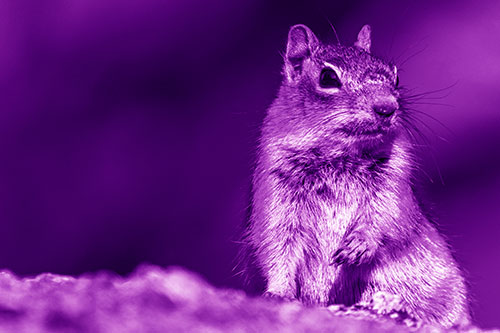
{"x":153,"y":299}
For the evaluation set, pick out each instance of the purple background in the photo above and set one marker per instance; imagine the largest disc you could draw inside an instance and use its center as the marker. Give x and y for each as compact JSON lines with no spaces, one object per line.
{"x":127,"y":130}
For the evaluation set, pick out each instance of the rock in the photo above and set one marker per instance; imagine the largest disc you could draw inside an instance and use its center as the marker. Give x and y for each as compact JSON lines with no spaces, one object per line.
{"x":153,"y":299}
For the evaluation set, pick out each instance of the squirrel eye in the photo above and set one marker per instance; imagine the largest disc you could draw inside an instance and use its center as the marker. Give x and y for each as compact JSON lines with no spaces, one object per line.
{"x":329,"y":79}
{"x":396,"y":84}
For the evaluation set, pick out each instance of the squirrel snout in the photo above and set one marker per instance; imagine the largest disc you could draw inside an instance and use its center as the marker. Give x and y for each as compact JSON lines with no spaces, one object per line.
{"x":385,"y":109}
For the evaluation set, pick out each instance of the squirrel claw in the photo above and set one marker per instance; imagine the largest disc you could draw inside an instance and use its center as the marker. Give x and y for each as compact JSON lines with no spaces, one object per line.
{"x":354,"y":250}
{"x":277,"y":297}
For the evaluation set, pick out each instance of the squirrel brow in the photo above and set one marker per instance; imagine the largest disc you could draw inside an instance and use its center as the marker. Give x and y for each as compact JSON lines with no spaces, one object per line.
{"x":332,"y":66}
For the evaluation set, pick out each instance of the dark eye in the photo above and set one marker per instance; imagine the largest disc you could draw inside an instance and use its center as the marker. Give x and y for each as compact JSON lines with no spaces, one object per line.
{"x":329,"y":79}
{"x":396,"y":84}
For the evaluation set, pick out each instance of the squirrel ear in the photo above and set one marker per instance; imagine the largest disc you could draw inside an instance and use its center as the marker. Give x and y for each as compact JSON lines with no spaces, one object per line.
{"x":301,"y":44}
{"x":364,"y":40}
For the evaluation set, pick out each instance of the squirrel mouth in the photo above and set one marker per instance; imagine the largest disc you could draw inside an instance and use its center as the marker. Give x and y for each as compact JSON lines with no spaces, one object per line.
{"x":365,"y":132}
{"x":372,"y":132}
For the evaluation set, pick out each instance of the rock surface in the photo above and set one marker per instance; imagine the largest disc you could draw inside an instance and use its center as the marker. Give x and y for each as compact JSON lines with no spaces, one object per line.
{"x":153,"y":299}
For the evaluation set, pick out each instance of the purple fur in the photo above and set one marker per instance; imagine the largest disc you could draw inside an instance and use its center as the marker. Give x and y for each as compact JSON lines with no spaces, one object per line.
{"x":334,"y":218}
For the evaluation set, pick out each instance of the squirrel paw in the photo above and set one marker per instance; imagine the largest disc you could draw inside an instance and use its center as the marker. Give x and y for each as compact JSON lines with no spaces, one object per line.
{"x":355,"y":249}
{"x":276,"y":297}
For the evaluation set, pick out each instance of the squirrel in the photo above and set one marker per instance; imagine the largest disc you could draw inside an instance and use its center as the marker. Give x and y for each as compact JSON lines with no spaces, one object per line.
{"x":334,"y":218}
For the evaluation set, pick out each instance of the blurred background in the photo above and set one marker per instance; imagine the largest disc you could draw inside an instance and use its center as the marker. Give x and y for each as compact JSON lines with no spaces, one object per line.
{"x":128,"y":128}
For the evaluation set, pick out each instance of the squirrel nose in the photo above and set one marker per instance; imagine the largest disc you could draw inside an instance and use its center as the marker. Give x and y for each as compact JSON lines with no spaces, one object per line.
{"x":385,"y":110}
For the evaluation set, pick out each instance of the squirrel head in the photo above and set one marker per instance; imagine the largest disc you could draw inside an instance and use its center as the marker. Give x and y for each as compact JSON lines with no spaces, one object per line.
{"x":337,"y":92}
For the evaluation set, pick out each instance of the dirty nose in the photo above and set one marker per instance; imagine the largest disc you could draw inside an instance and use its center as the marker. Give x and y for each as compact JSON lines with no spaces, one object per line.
{"x":385,"y":110}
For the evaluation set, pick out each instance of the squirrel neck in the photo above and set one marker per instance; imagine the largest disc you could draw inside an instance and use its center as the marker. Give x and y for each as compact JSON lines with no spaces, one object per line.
{"x":307,"y":170}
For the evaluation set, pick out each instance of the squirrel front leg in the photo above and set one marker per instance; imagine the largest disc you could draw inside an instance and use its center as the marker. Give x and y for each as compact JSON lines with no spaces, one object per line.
{"x":357,"y":247}
{"x":361,"y":241}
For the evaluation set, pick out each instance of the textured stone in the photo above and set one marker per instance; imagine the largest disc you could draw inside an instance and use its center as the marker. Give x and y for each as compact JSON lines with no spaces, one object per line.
{"x":153,"y":299}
